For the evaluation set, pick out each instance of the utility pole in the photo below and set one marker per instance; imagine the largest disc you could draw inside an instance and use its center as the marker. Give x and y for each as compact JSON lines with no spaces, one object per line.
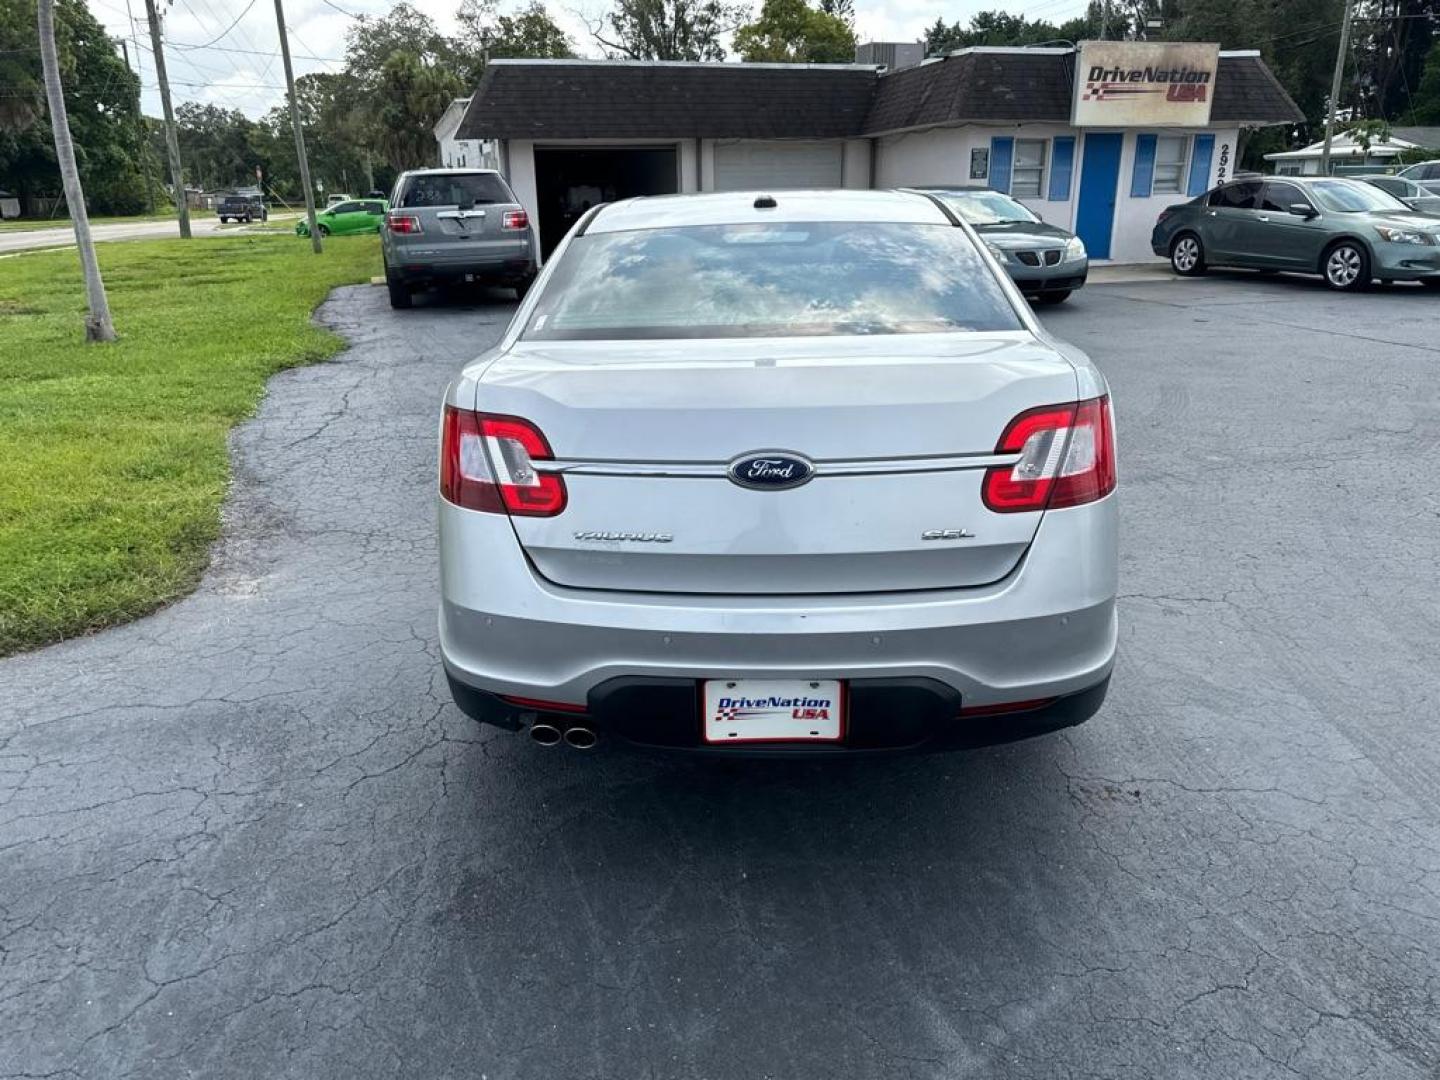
{"x":299,"y":131}
{"x":1335,"y":86}
{"x":172,"y":141}
{"x":142,"y":135}
{"x":98,"y":325}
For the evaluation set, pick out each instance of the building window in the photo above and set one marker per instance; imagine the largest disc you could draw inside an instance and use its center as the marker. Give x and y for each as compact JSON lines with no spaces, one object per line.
{"x":1171,"y":152}
{"x":1027,"y":177}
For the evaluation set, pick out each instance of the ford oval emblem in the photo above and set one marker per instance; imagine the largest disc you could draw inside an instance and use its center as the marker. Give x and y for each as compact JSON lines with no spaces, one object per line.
{"x":771,"y":470}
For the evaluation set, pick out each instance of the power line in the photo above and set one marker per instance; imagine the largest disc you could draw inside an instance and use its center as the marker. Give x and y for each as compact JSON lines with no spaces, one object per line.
{"x":219,"y":37}
{"x":262,"y":52}
{"x":342,"y":11}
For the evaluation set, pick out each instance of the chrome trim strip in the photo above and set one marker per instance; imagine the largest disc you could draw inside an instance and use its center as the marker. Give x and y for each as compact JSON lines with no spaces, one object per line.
{"x":719,"y":470}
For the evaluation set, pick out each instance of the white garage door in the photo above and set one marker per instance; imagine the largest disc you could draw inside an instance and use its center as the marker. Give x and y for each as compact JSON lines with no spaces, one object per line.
{"x":742,"y":166}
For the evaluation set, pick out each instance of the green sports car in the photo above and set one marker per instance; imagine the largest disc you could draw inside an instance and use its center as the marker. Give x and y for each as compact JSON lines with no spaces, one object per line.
{"x":355,"y":216}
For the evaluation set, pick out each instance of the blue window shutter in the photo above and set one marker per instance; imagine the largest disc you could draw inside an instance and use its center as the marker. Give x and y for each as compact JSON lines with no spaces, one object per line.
{"x":1002,"y":154}
{"x":1062,"y":163}
{"x":1200,"y":164}
{"x":1144,"y":176}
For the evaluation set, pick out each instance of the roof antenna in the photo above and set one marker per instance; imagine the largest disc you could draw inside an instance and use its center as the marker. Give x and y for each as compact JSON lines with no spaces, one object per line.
{"x":765,"y":202}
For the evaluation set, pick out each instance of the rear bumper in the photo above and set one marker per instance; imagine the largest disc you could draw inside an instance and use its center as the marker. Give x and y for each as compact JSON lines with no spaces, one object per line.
{"x":511,"y":269}
{"x":421,"y":258}
{"x":884,"y":716}
{"x":1046,"y":631}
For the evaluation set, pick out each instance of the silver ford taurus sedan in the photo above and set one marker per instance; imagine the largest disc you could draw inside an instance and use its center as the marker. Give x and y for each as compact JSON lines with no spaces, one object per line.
{"x":777,"y":475}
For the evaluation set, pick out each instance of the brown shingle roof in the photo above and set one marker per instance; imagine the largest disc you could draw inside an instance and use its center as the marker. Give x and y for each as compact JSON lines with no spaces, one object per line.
{"x":520,"y":99}
{"x":620,"y":100}
{"x":1247,"y":92}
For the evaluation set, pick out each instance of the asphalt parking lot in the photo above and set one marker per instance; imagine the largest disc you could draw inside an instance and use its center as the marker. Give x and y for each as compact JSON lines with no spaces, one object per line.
{"x":250,"y":837}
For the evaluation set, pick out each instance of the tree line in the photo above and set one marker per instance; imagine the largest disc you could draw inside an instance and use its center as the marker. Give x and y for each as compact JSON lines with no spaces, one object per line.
{"x":374,"y":117}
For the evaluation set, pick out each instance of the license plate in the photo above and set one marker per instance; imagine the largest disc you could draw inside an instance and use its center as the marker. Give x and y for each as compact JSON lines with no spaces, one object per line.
{"x":774,"y":710}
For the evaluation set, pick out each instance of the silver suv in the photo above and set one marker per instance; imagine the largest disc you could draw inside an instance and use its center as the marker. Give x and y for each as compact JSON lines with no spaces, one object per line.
{"x":777,"y":475}
{"x":455,"y":224}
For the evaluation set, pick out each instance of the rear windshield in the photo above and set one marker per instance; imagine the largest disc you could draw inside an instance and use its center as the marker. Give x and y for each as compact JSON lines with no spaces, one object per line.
{"x":770,"y":280}
{"x":455,"y":189}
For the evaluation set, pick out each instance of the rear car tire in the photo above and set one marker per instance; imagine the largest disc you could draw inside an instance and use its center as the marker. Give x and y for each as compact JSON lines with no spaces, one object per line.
{"x":1057,"y":297}
{"x":1187,"y":255}
{"x":400,"y":296}
{"x":224,"y":220}
{"x":1346,"y":266}
{"x":323,"y":230}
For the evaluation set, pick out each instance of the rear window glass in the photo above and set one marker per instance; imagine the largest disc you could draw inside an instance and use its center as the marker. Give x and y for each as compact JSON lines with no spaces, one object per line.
{"x":455,"y":189}
{"x":770,"y":280}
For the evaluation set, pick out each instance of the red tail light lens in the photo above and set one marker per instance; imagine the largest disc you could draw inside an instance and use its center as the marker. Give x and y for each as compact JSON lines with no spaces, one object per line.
{"x":489,"y":463}
{"x":1067,"y":457}
{"x":515,"y":219}
{"x":403,"y":223}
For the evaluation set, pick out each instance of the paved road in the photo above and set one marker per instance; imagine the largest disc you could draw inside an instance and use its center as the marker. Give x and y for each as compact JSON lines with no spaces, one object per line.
{"x":201,"y":224}
{"x":249,"y":837}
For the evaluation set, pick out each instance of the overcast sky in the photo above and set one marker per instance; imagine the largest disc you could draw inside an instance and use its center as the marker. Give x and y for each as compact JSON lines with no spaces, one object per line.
{"x":240,"y":67}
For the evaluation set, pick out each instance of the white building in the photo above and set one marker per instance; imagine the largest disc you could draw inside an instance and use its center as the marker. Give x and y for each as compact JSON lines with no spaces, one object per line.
{"x":456,"y":153}
{"x":1142,"y":126}
{"x":1348,"y":155}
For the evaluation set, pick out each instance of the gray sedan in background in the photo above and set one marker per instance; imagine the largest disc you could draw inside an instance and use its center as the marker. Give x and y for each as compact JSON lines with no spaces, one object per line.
{"x":1347,"y":231}
{"x":1045,"y":262}
{"x":1423,"y":197}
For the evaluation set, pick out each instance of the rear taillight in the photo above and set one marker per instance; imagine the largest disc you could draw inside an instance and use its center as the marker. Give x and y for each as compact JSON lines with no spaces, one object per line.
{"x":489,"y":463}
{"x":403,"y":223}
{"x":515,"y":219}
{"x":1067,"y":457}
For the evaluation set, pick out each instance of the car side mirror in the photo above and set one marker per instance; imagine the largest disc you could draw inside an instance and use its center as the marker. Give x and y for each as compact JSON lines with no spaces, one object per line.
{"x":1305,"y":210}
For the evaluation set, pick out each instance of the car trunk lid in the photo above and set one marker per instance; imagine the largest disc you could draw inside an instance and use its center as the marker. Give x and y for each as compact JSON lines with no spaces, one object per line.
{"x":900,"y":430}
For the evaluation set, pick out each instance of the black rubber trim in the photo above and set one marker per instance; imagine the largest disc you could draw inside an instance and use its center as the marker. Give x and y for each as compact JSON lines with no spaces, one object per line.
{"x":588,"y":218}
{"x":954,"y":218}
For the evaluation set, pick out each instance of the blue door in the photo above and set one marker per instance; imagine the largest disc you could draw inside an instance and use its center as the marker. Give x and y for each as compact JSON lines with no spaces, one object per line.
{"x":1099,"y":186}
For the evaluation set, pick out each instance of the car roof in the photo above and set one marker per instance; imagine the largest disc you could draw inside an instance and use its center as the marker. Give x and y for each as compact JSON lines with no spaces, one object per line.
{"x":449,"y":172}
{"x":739,"y":207}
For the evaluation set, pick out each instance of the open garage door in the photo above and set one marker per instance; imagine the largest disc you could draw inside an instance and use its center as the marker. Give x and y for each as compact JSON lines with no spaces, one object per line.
{"x":570,"y":180}
{"x":772,"y":165}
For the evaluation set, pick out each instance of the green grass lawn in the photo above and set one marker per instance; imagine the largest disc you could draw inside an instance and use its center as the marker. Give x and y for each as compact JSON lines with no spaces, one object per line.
{"x":113,"y":457}
{"x":30,"y":224}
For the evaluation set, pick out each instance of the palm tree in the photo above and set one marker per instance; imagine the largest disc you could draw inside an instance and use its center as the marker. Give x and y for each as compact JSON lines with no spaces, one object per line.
{"x":98,"y":326}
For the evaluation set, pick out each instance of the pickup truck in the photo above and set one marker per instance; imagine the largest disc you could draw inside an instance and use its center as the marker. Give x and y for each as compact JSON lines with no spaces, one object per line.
{"x":245,"y":208}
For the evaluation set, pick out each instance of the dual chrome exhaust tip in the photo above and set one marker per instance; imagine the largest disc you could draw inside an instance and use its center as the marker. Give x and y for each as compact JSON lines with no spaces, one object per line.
{"x":581,"y":738}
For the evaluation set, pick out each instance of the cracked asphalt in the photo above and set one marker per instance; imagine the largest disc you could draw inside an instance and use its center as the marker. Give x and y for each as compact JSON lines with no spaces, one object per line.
{"x":250,"y":837}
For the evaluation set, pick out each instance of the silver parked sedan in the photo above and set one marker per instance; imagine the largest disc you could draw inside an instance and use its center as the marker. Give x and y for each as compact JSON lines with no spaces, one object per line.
{"x":777,"y":475}
{"x":1045,"y":261}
